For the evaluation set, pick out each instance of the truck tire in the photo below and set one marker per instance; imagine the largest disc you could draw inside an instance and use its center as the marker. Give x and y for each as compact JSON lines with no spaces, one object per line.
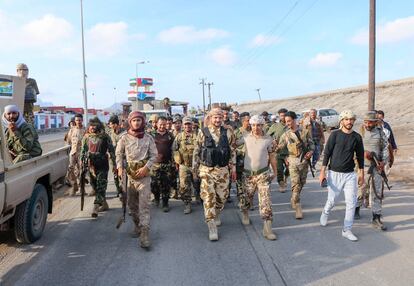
{"x":30,"y":217}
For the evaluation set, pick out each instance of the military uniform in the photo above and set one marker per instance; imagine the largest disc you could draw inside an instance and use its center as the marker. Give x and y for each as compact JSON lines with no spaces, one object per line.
{"x":372,"y":189}
{"x":95,"y":147}
{"x":240,"y":152}
{"x":214,"y":171}
{"x":75,"y":140}
{"x":183,"y":148}
{"x":138,"y":153}
{"x":276,"y":131}
{"x":298,"y":166}
{"x":161,"y":172}
{"x":316,"y":129}
{"x":114,"y":139}
{"x":23,"y":143}
{"x":30,"y":98}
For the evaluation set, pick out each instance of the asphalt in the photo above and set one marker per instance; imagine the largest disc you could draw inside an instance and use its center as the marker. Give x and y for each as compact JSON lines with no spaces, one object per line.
{"x":78,"y":250}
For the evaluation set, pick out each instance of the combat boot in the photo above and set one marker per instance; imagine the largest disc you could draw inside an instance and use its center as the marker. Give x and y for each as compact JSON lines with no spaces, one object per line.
{"x":267,"y":230}
{"x":292,"y":204}
{"x":165,"y":207}
{"x":187,"y":208}
{"x":104,"y":206}
{"x":298,"y":211}
{"x":245,"y":217}
{"x":198,"y":199}
{"x":144,"y":238}
{"x":217,"y":219}
{"x":95,"y":210}
{"x":282,"y":186}
{"x":212,"y":230}
{"x":377,"y":223}
{"x":357,"y":215}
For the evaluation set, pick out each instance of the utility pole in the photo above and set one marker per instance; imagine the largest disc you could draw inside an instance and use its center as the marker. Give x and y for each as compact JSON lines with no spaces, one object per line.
{"x":204,"y":97}
{"x":85,"y":94}
{"x":258,"y":92}
{"x":371,"y":76}
{"x":209,"y":94}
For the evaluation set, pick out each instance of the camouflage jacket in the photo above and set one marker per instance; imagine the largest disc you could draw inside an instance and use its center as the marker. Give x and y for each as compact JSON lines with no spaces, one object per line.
{"x":74,"y":139}
{"x":276,"y":131}
{"x":115,"y":135}
{"x":183,"y":148}
{"x":295,"y":146}
{"x":238,"y":134}
{"x":24,"y":140}
{"x":95,"y":147}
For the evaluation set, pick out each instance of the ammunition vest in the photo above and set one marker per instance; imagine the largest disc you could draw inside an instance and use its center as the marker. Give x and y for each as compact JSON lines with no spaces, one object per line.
{"x":297,"y":146}
{"x":213,"y":155}
{"x":187,"y":145}
{"x":97,"y":148}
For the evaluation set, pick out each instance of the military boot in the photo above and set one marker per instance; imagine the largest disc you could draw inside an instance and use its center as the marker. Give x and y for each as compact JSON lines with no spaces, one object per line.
{"x":298,"y":211}
{"x":198,"y":199}
{"x":187,"y":208}
{"x":212,"y":230}
{"x":95,"y":211}
{"x":282,"y":186}
{"x":165,"y":206}
{"x":245,"y":217}
{"x":357,"y":215}
{"x":144,"y":238}
{"x":292,"y":204}
{"x":217,"y":219}
{"x":267,"y":230}
{"x":104,"y":206}
{"x":377,"y":223}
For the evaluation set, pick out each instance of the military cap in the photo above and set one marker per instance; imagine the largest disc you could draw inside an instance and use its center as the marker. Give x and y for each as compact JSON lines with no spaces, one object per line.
{"x":370,"y":116}
{"x":187,"y":120}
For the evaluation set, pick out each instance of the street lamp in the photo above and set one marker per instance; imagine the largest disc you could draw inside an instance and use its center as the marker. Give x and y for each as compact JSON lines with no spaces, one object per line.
{"x":85,"y":94}
{"x":136,"y":66}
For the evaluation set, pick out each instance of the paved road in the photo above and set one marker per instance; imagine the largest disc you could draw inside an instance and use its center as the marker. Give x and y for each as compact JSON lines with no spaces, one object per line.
{"x":77,"y":250}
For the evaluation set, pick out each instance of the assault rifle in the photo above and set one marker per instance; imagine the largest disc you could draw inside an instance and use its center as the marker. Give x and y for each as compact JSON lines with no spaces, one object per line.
{"x":376,"y":161}
{"x":305,"y":150}
{"x":124,"y":196}
{"x":84,"y":171}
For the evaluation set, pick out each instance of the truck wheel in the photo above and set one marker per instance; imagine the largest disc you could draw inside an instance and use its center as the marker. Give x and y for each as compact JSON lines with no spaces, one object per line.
{"x":30,"y":217}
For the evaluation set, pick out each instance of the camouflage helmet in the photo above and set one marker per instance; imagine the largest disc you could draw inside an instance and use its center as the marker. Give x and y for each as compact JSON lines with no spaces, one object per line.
{"x":153,"y":118}
{"x":187,"y":120}
{"x":22,"y":66}
{"x":347,"y":114}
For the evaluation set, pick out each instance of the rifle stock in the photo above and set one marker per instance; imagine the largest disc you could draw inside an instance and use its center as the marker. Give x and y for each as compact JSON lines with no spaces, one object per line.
{"x":124,"y":196}
{"x":376,"y":161}
{"x":84,"y":170}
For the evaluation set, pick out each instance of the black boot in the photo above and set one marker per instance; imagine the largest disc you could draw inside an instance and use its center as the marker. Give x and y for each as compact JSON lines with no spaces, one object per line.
{"x":165,"y":207}
{"x":377,"y":223}
{"x":357,"y":216}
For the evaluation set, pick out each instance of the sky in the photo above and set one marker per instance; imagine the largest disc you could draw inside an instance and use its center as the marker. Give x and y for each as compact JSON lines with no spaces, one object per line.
{"x":285,"y":48}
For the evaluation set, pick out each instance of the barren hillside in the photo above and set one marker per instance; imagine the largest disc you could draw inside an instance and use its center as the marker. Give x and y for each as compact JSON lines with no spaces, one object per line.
{"x":396,"y":98}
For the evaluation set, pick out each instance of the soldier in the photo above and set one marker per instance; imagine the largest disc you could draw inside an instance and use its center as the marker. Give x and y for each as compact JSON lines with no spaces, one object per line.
{"x":152,"y":128}
{"x":213,"y":156}
{"x":96,"y":144}
{"x":169,"y":123}
{"x":196,"y":180}
{"x":235,"y":123}
{"x":21,"y":138}
{"x":386,"y":125}
{"x":300,"y":147}
{"x":162,"y":168}
{"x":276,"y":131}
{"x":177,"y":127}
{"x":259,"y":150}
{"x":75,"y":140}
{"x":318,"y":137}
{"x":268,"y":123}
{"x":375,"y":144}
{"x":31,"y":92}
{"x":339,"y":152}
{"x":177,"y":124}
{"x":226,"y":118}
{"x":140,"y":152}
{"x":114,"y":133}
{"x":239,"y":133}
{"x":183,"y":148}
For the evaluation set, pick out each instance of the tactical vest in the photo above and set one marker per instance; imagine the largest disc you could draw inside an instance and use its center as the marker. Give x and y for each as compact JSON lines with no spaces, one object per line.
{"x":187,"y":145}
{"x":213,"y":155}
{"x":97,"y":148}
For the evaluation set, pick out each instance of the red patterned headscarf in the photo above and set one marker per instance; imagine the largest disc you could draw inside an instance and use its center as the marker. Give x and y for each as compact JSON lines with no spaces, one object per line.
{"x":139,"y":133}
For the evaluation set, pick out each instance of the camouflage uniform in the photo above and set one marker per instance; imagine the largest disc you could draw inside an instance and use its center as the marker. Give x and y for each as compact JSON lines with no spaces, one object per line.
{"x":258,"y":179}
{"x":23,"y":143}
{"x":95,"y":147}
{"x":276,"y":131}
{"x":239,"y":133}
{"x":316,"y":129}
{"x":114,"y":139}
{"x":161,"y":172}
{"x":183,"y":148}
{"x":298,"y":169}
{"x":75,"y":140}
{"x":374,"y":141}
{"x":138,"y":153}
{"x":30,"y":98}
{"x":214,"y":180}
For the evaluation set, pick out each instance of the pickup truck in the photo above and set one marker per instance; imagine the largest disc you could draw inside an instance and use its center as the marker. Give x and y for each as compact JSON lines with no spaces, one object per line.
{"x":26,"y":195}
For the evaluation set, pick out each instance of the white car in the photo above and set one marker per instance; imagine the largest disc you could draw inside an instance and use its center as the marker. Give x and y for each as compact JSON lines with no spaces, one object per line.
{"x":329,"y":117}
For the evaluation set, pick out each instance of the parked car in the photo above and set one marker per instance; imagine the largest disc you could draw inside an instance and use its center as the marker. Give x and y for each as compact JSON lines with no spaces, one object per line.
{"x":329,"y":117}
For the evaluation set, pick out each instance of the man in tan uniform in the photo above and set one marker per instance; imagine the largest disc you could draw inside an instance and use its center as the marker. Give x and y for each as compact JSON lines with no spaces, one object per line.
{"x":74,"y":139}
{"x":140,"y":152}
{"x":259,"y":149}
{"x":214,"y":155}
{"x":31,"y":92}
{"x":300,"y":147}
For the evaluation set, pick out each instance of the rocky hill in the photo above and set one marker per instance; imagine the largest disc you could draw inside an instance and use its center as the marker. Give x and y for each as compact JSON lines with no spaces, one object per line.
{"x":395,"y":98}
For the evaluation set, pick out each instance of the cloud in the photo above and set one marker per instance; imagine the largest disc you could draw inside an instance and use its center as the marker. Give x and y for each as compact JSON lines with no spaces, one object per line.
{"x":391,"y":32}
{"x":108,"y":39}
{"x":325,"y":59}
{"x":46,"y":31}
{"x":189,"y":34}
{"x":263,"y":41}
{"x":224,"y":56}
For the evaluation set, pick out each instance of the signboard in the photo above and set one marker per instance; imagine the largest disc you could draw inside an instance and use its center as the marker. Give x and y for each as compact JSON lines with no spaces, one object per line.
{"x":6,"y":87}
